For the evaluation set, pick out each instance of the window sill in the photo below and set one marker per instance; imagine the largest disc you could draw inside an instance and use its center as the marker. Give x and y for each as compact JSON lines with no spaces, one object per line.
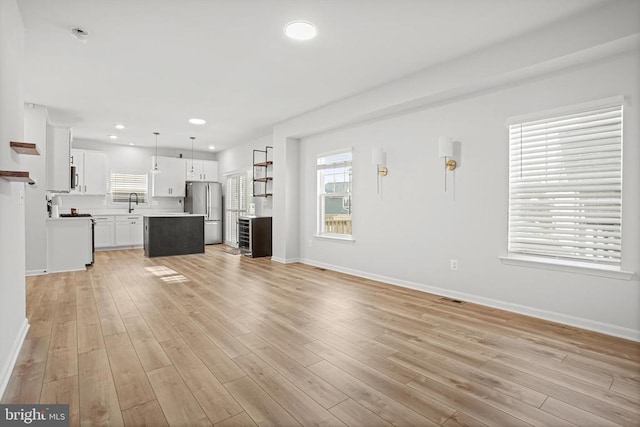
{"x":335,"y":237}
{"x":567,"y":266}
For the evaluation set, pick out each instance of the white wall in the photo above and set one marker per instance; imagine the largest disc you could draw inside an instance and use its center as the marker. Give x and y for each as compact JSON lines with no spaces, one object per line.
{"x":35,"y":130}
{"x":13,"y":322}
{"x":409,"y":235}
{"x":239,"y":158}
{"x":127,"y":158}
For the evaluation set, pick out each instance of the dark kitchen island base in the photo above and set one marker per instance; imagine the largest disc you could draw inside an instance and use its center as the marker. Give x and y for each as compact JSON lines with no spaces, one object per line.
{"x":173,"y":235}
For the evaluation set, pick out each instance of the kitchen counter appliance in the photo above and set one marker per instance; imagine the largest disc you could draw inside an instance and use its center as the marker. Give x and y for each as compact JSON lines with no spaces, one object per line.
{"x":205,"y":198}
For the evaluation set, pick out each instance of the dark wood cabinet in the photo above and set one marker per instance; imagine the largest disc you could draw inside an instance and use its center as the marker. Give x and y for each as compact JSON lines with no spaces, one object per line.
{"x":254,"y":236}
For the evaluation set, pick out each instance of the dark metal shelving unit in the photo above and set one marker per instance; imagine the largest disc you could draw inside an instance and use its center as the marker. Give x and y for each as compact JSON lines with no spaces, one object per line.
{"x":264,"y":178}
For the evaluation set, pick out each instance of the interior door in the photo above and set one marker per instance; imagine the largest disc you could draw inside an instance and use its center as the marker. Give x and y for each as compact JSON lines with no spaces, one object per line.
{"x":235,"y":206}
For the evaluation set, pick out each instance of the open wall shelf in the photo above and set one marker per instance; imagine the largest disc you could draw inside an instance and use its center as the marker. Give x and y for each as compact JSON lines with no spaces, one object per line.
{"x":263,"y":172}
{"x":25,"y":148}
{"x":17,"y":176}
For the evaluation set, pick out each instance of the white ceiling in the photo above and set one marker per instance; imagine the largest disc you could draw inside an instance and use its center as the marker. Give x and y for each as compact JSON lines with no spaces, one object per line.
{"x":153,"y":64}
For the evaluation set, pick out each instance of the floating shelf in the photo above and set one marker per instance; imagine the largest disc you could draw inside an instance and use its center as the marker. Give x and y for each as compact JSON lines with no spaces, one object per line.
{"x":25,"y":148}
{"x":264,"y":164}
{"x":17,"y":176}
{"x":265,"y":179}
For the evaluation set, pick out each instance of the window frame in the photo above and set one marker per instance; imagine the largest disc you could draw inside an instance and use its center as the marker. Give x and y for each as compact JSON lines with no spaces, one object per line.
{"x":558,"y":261}
{"x":321,"y":197}
{"x":147,"y":194}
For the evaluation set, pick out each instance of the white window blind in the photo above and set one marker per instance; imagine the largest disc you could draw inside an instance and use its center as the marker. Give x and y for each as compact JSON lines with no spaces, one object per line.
{"x":565,"y":184}
{"x":236,"y":206}
{"x":334,"y":193}
{"x":123,"y":184}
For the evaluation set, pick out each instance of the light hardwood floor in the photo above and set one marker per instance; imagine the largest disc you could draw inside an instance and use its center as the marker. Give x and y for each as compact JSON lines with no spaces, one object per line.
{"x":226,"y":340}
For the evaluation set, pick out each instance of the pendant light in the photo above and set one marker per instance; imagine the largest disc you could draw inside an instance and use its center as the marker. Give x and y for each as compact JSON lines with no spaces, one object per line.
{"x":155,"y":166}
{"x":192,"y":173}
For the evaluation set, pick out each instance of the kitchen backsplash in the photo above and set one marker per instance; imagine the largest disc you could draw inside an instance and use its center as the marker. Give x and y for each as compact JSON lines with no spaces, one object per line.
{"x":91,"y":204}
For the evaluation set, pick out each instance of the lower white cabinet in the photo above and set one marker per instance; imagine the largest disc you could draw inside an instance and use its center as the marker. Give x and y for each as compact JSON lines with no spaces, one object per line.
{"x":68,"y":244}
{"x":104,"y":231}
{"x":129,"y":230}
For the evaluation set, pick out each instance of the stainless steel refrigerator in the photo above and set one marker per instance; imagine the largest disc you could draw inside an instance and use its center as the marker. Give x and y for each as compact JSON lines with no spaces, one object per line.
{"x":206,"y":198}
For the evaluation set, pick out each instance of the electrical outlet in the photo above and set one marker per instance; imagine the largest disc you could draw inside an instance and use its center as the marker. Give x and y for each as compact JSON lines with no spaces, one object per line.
{"x":453,"y":264}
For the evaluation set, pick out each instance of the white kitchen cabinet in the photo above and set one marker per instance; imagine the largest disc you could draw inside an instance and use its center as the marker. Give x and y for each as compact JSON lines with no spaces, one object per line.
{"x":58,"y":155}
{"x":104,"y":230}
{"x":91,"y":172}
{"x":129,"y":230}
{"x":204,"y":170}
{"x":170,"y":181}
{"x":69,"y":244}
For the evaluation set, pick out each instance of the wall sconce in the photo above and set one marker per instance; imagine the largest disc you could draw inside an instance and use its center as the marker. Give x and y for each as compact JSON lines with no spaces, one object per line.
{"x":450,"y":150}
{"x":379,"y":160}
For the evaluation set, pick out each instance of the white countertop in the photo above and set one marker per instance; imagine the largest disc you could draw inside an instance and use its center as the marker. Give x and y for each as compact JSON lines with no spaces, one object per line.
{"x":72,"y":218}
{"x":171,"y":215}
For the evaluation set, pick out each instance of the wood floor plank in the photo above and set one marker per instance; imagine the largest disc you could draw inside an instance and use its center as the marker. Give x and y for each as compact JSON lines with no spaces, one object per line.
{"x":424,"y":405}
{"x":147,"y":414}
{"x":575,"y":415}
{"x":221,"y":365}
{"x":98,"y":397}
{"x":229,"y":340}
{"x":353,"y":414}
{"x":259,"y":405}
{"x":65,"y":391}
{"x":318,"y":389}
{"x":603,"y":409}
{"x":473,"y":406}
{"x":227,"y":343}
{"x":306,"y":410}
{"x":208,"y":391}
{"x":240,"y":420}
{"x":129,"y":377}
{"x":62,"y":360}
{"x":90,"y":337}
{"x":177,"y":403}
{"x":460,"y":419}
{"x":375,"y":401}
{"x":25,"y":383}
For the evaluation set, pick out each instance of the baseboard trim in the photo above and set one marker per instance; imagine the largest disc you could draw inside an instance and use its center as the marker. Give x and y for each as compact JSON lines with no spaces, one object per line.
{"x":285,"y":260}
{"x":7,"y":369}
{"x":591,"y":325}
{"x":35,"y":272}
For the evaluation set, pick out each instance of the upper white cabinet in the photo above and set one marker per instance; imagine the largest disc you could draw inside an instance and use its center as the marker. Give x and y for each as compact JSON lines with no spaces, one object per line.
{"x":170,"y":181}
{"x":91,"y":172}
{"x":204,"y":170}
{"x":58,"y":156}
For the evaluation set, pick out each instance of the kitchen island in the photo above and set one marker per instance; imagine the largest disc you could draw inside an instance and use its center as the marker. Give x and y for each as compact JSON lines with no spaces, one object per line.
{"x":173,"y":234}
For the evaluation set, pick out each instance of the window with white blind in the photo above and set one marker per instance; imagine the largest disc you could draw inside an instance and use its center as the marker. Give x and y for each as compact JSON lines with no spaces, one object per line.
{"x":122,"y":184}
{"x":236,"y":201}
{"x":334,"y":194}
{"x":565,"y":182}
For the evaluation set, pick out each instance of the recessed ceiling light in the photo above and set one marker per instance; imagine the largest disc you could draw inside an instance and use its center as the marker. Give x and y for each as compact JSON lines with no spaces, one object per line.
{"x":131,"y":143}
{"x":113,"y":136}
{"x":197,"y":121}
{"x":300,"y":30}
{"x":211,"y":147}
{"x":119,"y":126}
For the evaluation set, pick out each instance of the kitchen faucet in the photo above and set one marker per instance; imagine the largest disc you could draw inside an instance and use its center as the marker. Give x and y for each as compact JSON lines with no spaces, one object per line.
{"x":132,"y":194}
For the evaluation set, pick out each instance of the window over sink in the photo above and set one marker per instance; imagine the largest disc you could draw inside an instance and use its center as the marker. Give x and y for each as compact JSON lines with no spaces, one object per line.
{"x":121,"y":184}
